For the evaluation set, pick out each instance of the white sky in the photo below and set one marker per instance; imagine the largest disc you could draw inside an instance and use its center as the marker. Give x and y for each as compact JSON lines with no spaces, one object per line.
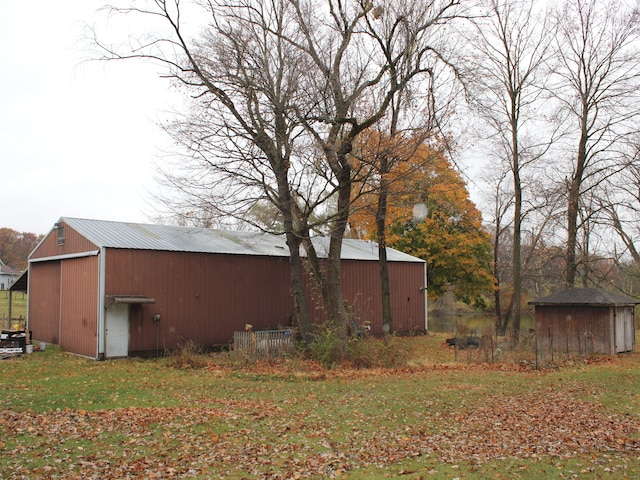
{"x":77,"y":139}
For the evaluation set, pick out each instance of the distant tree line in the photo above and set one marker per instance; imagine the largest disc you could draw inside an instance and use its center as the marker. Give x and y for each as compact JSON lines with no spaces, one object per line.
{"x":15,"y":247}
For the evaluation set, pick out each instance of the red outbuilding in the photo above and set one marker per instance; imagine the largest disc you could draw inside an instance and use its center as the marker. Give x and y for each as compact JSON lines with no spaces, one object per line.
{"x":104,"y":289}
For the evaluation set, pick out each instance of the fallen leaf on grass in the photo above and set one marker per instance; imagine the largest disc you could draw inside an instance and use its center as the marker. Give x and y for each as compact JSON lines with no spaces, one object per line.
{"x":547,"y":423}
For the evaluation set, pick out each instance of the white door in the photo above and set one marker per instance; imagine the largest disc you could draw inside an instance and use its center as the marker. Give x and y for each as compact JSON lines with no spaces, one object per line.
{"x":624,"y":330}
{"x":117,"y":330}
{"x":630,"y":330}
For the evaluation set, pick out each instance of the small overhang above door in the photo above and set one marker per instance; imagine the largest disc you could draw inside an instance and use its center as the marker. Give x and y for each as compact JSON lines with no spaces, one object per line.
{"x":130,"y":299}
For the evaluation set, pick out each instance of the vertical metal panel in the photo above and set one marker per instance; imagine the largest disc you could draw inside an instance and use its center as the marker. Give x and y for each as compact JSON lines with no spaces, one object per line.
{"x":199,"y":296}
{"x":79,"y":305}
{"x":407,"y":297}
{"x":44,"y":301}
{"x":362,"y":292}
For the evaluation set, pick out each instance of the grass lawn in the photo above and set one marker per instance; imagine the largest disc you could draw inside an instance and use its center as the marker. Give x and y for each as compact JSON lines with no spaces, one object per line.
{"x":68,"y":417}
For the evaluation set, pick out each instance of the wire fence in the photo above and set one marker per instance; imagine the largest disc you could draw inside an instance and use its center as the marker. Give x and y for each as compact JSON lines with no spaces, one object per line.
{"x":264,"y":344}
{"x":539,"y":350}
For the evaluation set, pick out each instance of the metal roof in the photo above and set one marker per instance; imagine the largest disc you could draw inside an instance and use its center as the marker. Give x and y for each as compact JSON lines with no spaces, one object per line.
{"x":585,"y":296}
{"x":110,"y":234}
{"x":21,"y":284}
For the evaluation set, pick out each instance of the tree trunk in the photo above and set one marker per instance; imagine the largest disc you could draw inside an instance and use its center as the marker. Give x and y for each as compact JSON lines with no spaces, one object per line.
{"x":572,"y":230}
{"x":499,"y":325}
{"x":381,"y":223}
{"x":517,"y":264}
{"x":301,"y":307}
{"x":573,"y":208}
{"x":517,"y":226}
{"x":336,"y":310}
{"x":300,"y":304}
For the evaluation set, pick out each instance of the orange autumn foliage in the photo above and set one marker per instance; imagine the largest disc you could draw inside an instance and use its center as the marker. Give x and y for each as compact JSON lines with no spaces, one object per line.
{"x":450,"y":239}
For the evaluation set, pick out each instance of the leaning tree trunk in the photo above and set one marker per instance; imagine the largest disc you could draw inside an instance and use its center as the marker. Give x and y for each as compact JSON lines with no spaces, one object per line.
{"x":300,"y":304}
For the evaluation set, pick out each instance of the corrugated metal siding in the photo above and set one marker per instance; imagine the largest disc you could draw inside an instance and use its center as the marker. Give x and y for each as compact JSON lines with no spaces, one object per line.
{"x":407,"y":297}
{"x":73,"y":243}
{"x":44,"y":301}
{"x":575,"y":329}
{"x":79,"y":305}
{"x":362,"y":291}
{"x":208,"y":297}
{"x":202,"y":296}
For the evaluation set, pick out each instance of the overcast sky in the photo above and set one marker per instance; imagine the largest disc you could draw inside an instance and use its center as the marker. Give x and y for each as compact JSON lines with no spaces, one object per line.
{"x":76,"y":139}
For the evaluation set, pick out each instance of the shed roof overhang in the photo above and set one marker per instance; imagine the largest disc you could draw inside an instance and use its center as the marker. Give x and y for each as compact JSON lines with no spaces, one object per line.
{"x":591,"y":297}
{"x":130,"y":299}
{"x":21,"y":284}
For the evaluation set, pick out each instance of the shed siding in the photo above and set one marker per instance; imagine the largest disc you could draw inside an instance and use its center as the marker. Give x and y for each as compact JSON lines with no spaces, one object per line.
{"x":586,"y":329}
{"x":361,"y":291}
{"x":208,"y":296}
{"x":44,"y":301}
{"x":200,"y":296}
{"x":79,"y":305}
{"x":408,"y":299}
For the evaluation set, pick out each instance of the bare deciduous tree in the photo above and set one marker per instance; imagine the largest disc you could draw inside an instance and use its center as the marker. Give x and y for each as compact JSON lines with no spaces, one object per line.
{"x":506,"y":83}
{"x":599,"y":71}
{"x":281,"y":90}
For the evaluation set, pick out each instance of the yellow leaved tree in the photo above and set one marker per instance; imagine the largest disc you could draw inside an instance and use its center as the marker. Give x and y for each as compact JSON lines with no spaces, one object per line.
{"x":448,"y":234}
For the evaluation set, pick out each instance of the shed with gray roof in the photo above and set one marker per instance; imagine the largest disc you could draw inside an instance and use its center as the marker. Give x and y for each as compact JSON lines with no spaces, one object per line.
{"x":106,"y":289}
{"x":585,"y":320}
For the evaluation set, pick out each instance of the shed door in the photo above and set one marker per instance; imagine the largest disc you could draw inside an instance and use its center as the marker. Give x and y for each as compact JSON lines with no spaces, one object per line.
{"x":117,"y":330}
{"x":625,"y":332}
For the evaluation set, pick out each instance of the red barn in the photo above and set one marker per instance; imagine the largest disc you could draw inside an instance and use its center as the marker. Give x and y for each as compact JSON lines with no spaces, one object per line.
{"x":106,"y":289}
